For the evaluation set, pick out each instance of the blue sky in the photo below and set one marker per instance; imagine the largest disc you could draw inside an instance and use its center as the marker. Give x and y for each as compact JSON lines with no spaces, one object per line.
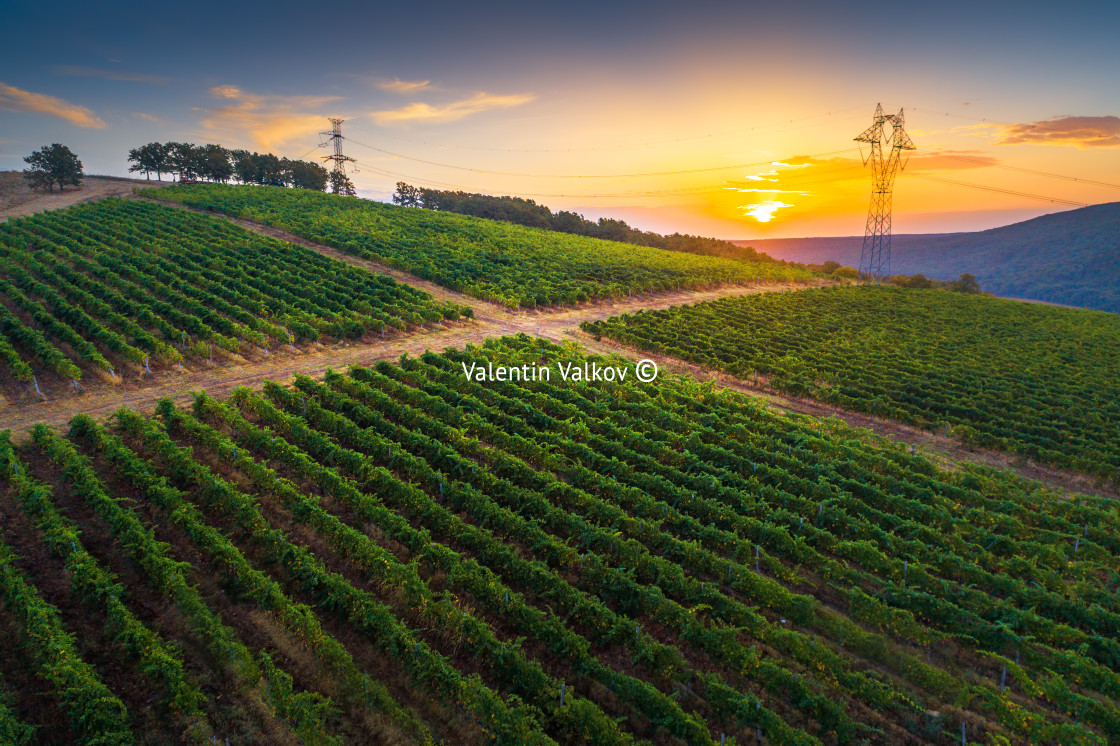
{"x":594,"y":90}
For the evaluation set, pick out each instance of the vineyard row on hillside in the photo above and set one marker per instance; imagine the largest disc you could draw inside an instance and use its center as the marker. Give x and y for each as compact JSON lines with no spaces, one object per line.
{"x":488,"y":259}
{"x":1033,"y":379}
{"x":129,"y":285}
{"x":404,"y":551}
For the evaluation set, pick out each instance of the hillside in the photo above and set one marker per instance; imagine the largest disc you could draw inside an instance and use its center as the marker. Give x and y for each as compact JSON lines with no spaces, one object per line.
{"x":488,"y":259}
{"x":122,"y":289}
{"x":400,"y":553}
{"x":406,"y":552}
{"x":527,"y":212}
{"x":1033,"y":379}
{"x":17,"y":199}
{"x":1070,"y":257}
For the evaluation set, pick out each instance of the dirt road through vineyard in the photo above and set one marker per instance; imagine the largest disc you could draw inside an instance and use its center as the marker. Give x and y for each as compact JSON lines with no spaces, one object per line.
{"x":491,"y":320}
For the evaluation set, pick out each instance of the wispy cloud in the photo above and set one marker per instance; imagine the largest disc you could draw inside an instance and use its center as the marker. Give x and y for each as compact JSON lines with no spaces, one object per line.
{"x":93,"y":72}
{"x":270,"y":121}
{"x":148,"y":117}
{"x":419,"y":111}
{"x":949,"y":160}
{"x":17,"y":99}
{"x":1080,"y":132}
{"x":767,"y":191}
{"x":396,"y":85}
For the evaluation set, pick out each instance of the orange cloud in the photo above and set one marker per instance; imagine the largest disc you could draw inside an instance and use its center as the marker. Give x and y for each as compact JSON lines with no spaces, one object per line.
{"x":949,"y":160}
{"x":270,"y":121}
{"x":17,"y":99}
{"x":1081,"y":132}
{"x":438,"y":113}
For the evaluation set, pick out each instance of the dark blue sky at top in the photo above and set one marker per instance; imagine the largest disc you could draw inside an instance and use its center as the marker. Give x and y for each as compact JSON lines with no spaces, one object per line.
{"x":1032,"y":59}
{"x":310,"y":47}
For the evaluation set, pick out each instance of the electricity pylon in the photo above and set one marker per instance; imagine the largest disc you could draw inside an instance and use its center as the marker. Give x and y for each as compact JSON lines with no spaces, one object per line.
{"x":340,"y":183}
{"x":875,"y":262}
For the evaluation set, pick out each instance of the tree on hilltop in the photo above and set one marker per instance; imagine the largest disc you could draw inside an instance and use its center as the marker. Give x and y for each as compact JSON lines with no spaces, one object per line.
{"x":154,"y":156}
{"x":966,"y":284}
{"x":53,"y":164}
{"x":341,"y":184}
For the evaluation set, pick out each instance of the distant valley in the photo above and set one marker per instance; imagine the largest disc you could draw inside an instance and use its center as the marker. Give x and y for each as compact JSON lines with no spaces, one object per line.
{"x":1070,"y":257}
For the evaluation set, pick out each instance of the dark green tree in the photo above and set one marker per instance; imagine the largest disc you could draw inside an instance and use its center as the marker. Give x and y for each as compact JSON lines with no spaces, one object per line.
{"x":966,"y":284}
{"x":214,"y":163}
{"x":341,"y":184}
{"x":245,"y":167}
{"x":306,"y":175}
{"x":270,"y":169}
{"x":53,"y":164}
{"x":406,"y":195}
{"x":148,"y":158}
{"x":184,"y":159}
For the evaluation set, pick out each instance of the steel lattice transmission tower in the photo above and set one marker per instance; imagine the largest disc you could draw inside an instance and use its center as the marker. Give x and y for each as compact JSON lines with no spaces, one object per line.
{"x":875,"y":262}
{"x":340,"y":182}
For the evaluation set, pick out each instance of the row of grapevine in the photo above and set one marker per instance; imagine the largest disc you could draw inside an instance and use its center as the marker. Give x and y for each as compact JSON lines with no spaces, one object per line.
{"x":496,"y":261}
{"x":1037,"y":380}
{"x":122,"y":286}
{"x":542,"y":561}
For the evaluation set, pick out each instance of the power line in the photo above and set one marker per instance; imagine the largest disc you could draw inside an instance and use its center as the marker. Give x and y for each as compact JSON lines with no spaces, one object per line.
{"x":460,"y":187}
{"x":1054,"y":200}
{"x":731,"y":167}
{"x":309,"y":152}
{"x":1031,"y":171}
{"x":708,"y":188}
{"x":715,"y":136}
{"x":951,"y":114}
{"x":815,"y":177}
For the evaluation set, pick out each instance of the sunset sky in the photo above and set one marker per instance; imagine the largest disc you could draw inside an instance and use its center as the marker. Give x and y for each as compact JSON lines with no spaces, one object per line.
{"x":728,"y":119}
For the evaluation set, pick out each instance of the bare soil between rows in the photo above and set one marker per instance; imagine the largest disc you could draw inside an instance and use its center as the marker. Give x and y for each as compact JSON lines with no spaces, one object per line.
{"x":492,"y":320}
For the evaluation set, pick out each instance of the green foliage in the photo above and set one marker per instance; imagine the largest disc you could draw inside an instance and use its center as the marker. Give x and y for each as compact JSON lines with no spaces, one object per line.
{"x":118,"y":282}
{"x":565,"y":562}
{"x":500,"y":262}
{"x":529,"y":213}
{"x":1036,"y":380}
{"x":966,"y":284}
{"x":53,"y":164}
{"x":94,"y":712}
{"x":153,"y":157}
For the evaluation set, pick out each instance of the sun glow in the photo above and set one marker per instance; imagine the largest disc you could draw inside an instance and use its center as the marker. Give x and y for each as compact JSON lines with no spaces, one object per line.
{"x":763,"y":212}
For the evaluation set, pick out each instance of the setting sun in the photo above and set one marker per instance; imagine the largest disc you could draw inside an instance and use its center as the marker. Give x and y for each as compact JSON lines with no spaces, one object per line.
{"x":763,"y":212}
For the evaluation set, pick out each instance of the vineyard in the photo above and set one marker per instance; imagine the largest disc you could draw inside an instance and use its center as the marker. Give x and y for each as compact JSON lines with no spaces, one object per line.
{"x":492,"y":260}
{"x":1037,"y":380}
{"x":128,"y":287}
{"x":400,"y":554}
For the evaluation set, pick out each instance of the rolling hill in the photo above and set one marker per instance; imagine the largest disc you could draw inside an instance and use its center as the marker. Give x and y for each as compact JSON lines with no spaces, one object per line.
{"x":1068,"y":257}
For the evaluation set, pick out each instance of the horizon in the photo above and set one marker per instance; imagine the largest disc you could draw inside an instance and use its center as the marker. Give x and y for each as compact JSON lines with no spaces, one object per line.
{"x":730,"y":123}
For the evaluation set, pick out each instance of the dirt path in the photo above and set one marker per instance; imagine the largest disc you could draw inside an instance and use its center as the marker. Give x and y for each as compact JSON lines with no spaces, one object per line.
{"x":946,"y":452}
{"x":494,"y":320}
{"x":17,"y":200}
{"x":491,"y":321}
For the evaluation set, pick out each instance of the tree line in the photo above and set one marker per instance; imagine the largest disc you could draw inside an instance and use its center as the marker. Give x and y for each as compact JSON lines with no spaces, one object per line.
{"x":528,"y":212}
{"x":219,"y":164}
{"x":966,"y":283}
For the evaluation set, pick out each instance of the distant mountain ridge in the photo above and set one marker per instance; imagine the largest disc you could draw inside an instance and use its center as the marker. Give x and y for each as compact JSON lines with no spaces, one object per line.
{"x":1070,"y":257}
